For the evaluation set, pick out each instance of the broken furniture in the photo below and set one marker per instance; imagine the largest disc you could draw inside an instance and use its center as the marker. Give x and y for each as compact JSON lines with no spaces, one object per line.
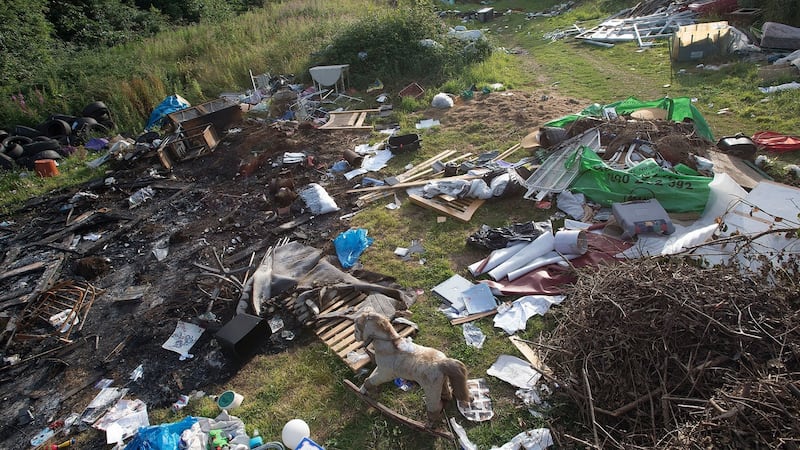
{"x":413,"y":90}
{"x":221,"y":112}
{"x":333,"y":77}
{"x":348,"y":120}
{"x":63,"y":308}
{"x":260,"y":82}
{"x":187,"y":144}
{"x":338,"y":333}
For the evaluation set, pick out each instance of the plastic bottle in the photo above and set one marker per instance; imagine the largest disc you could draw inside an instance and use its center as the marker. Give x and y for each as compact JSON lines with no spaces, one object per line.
{"x":256,"y":440}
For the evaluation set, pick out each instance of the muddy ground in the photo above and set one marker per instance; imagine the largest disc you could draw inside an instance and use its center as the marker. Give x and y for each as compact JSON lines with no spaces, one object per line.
{"x":225,"y":207}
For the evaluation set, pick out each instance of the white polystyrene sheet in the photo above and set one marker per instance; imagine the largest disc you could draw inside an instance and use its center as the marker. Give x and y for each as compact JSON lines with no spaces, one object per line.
{"x":724,"y":193}
{"x":514,"y":371}
{"x":769,"y":206}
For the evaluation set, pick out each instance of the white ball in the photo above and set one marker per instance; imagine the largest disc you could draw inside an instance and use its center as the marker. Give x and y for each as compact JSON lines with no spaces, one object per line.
{"x":293,"y":432}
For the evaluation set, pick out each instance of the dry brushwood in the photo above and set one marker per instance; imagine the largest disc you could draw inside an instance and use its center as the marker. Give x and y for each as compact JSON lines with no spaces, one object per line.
{"x":662,"y":353}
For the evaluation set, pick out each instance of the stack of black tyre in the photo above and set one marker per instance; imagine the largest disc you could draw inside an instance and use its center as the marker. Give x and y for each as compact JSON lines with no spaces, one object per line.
{"x":54,"y":138}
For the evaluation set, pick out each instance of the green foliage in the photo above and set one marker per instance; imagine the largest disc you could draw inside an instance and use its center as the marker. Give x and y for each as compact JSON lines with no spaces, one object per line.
{"x":388,"y":46}
{"x":782,"y":11}
{"x":100,"y":23}
{"x":25,"y":43}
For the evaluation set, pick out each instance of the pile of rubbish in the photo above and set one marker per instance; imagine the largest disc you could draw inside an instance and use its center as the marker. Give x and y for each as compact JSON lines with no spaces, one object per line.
{"x":54,"y":138}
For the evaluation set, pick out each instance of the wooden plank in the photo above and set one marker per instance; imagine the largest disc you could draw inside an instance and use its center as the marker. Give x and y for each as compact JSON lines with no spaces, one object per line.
{"x":744,"y":175}
{"x":414,"y":424}
{"x":461,"y":209}
{"x":348,"y":120}
{"x":411,"y":184}
{"x":470,"y":318}
{"x":360,"y":121}
{"x":531,"y":355}
{"x":23,"y":270}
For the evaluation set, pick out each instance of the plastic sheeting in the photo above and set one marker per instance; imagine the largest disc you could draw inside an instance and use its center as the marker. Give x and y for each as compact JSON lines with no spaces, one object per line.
{"x":676,"y":192}
{"x":678,"y":109}
{"x":167,"y":106}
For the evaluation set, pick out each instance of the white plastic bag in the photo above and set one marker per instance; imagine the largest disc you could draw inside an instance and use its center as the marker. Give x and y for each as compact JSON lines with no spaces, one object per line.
{"x":442,"y":101}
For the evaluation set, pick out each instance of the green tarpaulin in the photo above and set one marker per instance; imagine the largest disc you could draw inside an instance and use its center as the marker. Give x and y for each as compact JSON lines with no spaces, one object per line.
{"x":678,"y":110}
{"x":680,"y":191}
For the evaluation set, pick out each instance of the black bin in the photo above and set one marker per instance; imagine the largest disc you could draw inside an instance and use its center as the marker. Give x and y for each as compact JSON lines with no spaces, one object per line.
{"x":406,"y":142}
{"x":243,"y":335}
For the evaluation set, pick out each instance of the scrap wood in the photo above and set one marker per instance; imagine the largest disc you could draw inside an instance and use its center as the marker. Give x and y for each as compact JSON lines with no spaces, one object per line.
{"x":411,"y":184}
{"x":45,"y":281}
{"x":461,"y":209}
{"x":23,"y":270}
{"x":348,"y":120}
{"x":394,"y":415}
{"x":659,"y":338}
{"x":531,"y":355}
{"x":472,"y":317}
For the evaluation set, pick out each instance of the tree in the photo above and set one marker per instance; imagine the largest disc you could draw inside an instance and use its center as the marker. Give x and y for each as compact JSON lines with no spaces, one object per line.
{"x":25,"y":40}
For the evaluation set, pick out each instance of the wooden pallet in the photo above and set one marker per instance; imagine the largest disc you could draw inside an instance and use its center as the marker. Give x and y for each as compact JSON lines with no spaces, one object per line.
{"x":339,"y":333}
{"x":348,"y":120}
{"x":460,"y":208}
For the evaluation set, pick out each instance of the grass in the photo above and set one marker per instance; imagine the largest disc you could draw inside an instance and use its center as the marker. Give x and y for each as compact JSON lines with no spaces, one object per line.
{"x":199,"y":62}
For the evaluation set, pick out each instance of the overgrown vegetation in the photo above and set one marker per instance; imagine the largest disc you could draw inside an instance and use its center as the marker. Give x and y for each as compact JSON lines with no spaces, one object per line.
{"x":402,"y":44}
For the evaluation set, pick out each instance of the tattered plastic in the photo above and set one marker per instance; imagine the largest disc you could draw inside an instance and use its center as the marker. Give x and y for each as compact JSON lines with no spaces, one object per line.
{"x":350,"y":245}
{"x":679,"y":109}
{"x":677,"y":192}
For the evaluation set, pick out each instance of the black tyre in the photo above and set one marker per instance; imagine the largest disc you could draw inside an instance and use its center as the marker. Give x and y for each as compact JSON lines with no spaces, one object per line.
{"x":6,"y":163}
{"x":108,"y":123}
{"x":47,"y":154}
{"x":21,"y":140}
{"x":21,"y":130}
{"x":55,"y":127}
{"x":95,"y":109}
{"x":13,"y":150}
{"x":25,"y":162}
{"x":3,"y":135}
{"x":36,"y":147}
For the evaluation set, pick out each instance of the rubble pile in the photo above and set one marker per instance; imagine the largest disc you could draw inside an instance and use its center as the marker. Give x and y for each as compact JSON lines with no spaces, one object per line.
{"x":663,"y":353}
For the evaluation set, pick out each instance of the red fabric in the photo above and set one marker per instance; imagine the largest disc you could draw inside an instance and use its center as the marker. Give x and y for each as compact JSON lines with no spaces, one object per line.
{"x":776,"y":142}
{"x":549,"y":280}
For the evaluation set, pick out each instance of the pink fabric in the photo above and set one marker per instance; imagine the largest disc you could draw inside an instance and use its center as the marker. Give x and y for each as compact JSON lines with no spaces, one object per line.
{"x":549,"y":280}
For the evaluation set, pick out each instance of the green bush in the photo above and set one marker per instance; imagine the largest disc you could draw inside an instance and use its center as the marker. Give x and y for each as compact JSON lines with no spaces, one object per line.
{"x":389,"y":46}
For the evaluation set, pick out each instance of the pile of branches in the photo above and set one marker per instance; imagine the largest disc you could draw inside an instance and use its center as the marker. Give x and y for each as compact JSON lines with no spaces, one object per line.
{"x":661,"y":353}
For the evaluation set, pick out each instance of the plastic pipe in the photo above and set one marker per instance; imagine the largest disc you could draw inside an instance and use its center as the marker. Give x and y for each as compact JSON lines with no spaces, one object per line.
{"x":540,"y":246}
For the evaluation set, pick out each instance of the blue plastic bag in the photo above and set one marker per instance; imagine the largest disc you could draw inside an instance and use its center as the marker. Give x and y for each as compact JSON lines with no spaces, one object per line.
{"x":350,"y":245}
{"x":166,"y":436}
{"x":167,"y":106}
